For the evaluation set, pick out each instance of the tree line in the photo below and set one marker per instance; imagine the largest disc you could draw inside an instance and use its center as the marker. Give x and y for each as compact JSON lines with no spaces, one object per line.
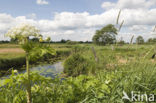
{"x":107,"y":35}
{"x":104,"y":36}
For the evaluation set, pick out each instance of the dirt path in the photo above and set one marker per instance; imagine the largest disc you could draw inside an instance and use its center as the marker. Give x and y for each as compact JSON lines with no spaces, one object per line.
{"x":11,"y":50}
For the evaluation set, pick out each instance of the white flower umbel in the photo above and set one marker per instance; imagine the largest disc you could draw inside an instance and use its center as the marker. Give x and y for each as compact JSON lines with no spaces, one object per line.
{"x":23,"y":31}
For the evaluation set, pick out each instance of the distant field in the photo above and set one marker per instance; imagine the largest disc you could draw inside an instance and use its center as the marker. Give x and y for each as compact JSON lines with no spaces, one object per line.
{"x":14,"y":50}
{"x":10,"y":51}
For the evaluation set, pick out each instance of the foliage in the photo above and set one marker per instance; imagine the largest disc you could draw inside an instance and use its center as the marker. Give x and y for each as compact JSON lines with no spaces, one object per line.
{"x":104,"y":87}
{"x":140,"y":40}
{"x":117,"y":71}
{"x":46,"y":90}
{"x":32,"y":50}
{"x":34,"y":39}
{"x":151,"y":40}
{"x":106,"y":35}
{"x":63,"y":41}
{"x":79,"y":49}
{"x":121,"y":42}
{"x":76,"y":64}
{"x":13,"y":40}
{"x":11,"y":63}
{"x":37,"y":50}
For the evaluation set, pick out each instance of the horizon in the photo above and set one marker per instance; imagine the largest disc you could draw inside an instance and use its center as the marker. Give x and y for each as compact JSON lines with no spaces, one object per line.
{"x":78,"y":20}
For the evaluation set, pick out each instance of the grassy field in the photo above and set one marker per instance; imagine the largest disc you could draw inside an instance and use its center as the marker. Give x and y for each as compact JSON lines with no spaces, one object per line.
{"x":90,"y":79}
{"x":8,"y":51}
{"x":13,"y":56}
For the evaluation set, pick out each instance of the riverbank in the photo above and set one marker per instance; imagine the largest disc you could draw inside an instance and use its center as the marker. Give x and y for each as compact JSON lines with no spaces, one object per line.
{"x":6,"y":64}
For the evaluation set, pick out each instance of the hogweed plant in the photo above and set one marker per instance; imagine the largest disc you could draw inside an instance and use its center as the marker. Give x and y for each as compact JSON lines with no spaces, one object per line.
{"x":33,"y":50}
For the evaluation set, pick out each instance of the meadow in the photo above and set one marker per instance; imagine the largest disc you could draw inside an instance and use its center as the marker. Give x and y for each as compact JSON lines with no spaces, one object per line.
{"x":92,"y":74}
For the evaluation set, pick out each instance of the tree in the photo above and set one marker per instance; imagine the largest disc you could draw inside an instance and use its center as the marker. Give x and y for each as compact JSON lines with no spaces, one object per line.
{"x":35,"y":39}
{"x":151,"y":40}
{"x":32,"y":49}
{"x":107,"y":35}
{"x":63,"y":41}
{"x":13,"y":40}
{"x":140,"y":40}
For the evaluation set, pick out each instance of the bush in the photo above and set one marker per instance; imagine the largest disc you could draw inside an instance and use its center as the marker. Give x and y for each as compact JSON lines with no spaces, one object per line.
{"x":76,"y":64}
{"x":47,"y":90}
{"x":5,"y":64}
{"x":79,"y":49}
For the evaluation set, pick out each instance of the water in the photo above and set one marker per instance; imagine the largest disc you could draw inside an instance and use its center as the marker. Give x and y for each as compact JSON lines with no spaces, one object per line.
{"x":48,"y":70}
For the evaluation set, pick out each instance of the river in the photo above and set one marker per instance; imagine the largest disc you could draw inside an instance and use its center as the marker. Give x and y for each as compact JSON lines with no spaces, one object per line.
{"x":47,"y":70}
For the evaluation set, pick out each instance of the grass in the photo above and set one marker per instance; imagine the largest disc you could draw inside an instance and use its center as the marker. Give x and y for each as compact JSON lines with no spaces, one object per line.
{"x":127,"y":68}
{"x":12,"y":56}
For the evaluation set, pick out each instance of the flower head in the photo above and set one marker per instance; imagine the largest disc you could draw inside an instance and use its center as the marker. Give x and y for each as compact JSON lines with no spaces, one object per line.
{"x":15,"y":71}
{"x":23,"y":30}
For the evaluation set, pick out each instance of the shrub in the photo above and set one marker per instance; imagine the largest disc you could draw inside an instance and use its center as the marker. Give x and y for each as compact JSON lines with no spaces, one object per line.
{"x":5,"y":64}
{"x":79,"y":49}
{"x":76,"y":64}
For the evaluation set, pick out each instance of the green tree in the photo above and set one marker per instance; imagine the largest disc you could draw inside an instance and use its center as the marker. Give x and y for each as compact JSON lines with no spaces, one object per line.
{"x":151,"y":40}
{"x":63,"y":41}
{"x":139,"y":40}
{"x":107,"y":35}
{"x":13,"y":40}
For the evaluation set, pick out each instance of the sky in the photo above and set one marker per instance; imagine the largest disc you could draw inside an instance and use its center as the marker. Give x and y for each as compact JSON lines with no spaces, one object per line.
{"x":79,"y":19}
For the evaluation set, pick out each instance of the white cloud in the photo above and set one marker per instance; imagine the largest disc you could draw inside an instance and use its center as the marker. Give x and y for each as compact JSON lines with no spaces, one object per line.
{"x":69,"y":32}
{"x":139,"y":20}
{"x":42,"y":2}
{"x":108,"y":5}
{"x":129,"y":4}
{"x":82,"y":26}
{"x":139,"y":28}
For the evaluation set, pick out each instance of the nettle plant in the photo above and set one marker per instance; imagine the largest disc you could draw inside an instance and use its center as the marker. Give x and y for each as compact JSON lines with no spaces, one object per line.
{"x":33,"y":50}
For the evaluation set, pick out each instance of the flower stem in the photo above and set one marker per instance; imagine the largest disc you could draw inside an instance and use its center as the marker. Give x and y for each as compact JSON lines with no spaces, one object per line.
{"x":29,"y":84}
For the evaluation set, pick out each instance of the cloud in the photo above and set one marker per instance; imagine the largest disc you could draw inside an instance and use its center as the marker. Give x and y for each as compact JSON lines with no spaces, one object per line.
{"x":139,"y":28}
{"x":135,"y":4}
{"x":139,"y":20}
{"x":108,"y":5}
{"x":82,"y":26}
{"x":42,"y":2}
{"x":129,"y":4}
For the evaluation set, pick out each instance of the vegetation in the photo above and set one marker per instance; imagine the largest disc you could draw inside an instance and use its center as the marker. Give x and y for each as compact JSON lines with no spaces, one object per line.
{"x":71,"y":42}
{"x":33,"y":50}
{"x":151,"y":40}
{"x":76,"y":64}
{"x":117,"y":71}
{"x":139,"y":40}
{"x":107,"y":35}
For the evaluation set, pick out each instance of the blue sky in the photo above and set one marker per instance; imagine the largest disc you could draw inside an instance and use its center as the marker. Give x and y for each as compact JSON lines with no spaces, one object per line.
{"x":26,"y":7}
{"x":79,"y":19}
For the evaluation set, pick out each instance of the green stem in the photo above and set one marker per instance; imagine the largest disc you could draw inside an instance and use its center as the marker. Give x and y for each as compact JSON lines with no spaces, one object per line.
{"x":29,"y":84}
